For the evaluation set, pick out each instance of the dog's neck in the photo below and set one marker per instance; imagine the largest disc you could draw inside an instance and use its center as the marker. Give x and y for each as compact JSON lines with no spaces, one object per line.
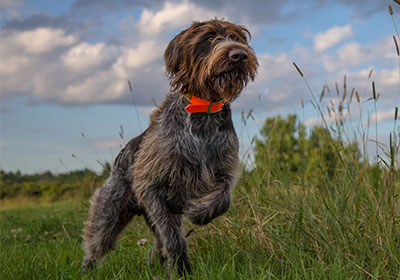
{"x":198,"y":105}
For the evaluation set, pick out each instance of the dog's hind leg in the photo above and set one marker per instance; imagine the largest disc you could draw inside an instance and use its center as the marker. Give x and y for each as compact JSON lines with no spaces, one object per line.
{"x":112,"y":207}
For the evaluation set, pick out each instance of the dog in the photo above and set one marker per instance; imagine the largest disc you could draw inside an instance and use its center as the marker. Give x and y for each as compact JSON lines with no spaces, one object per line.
{"x":185,"y":162}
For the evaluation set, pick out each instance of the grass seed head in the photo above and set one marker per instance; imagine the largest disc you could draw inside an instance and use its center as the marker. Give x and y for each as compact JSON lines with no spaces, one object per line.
{"x":298,"y":69}
{"x":373,"y":90}
{"x":344,"y":95}
{"x":337,"y":89}
{"x":397,"y":46}
{"x":327,"y":88}
{"x":357,"y":97}
{"x":322,"y":94}
{"x":340,"y":107}
{"x":370,"y":74}
{"x":351,"y":94}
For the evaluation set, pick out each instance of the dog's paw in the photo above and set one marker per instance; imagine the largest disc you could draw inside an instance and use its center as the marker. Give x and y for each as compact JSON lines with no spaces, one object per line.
{"x":87,"y":266}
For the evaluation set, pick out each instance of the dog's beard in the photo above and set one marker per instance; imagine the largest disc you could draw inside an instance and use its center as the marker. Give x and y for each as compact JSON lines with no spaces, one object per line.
{"x":229,"y":84}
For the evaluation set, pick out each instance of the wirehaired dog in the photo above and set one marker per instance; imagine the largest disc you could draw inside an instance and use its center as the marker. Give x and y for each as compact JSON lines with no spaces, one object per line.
{"x":185,"y":161}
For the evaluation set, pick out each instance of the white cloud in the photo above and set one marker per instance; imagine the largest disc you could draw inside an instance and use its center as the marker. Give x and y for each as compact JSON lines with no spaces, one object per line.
{"x":274,"y":67}
{"x":331,"y":37}
{"x":383,"y":116}
{"x":85,"y":56}
{"x":42,"y":40}
{"x":83,"y":73}
{"x":13,"y":64}
{"x":143,"y":54}
{"x":354,"y":55}
{"x":171,"y":16}
{"x":101,"y":86}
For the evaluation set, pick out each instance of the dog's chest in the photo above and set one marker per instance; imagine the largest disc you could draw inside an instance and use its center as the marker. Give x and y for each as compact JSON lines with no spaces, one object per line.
{"x":201,"y":150}
{"x":196,"y":163}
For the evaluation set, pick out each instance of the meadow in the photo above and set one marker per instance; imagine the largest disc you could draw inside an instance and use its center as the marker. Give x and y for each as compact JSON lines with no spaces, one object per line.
{"x":311,"y":203}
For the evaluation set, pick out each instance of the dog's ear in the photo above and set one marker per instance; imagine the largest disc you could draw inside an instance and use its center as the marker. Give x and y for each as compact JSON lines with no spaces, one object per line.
{"x":173,"y":55}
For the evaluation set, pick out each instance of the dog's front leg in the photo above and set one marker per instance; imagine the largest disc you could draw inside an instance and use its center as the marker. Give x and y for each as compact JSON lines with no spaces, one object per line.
{"x":168,"y":227}
{"x":203,"y":210}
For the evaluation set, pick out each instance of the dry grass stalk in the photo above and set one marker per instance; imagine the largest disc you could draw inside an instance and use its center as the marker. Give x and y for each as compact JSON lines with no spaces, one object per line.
{"x":243,"y":118}
{"x":302,"y":103}
{"x":370,"y":74}
{"x":329,"y":112}
{"x":250,"y":114}
{"x":322,"y":94}
{"x":344,"y":96}
{"x":351,"y":94}
{"x":315,"y":106}
{"x":298,"y":69}
{"x":397,"y":45}
{"x":396,"y":111}
{"x":357,"y":97}
{"x":130,"y":86}
{"x":373,"y":90}
{"x":337,"y":89}
{"x":390,"y":10}
{"x":340,"y":107}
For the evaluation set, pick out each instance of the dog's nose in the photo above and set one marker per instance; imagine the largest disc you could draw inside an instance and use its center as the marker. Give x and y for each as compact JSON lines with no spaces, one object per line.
{"x":237,"y":54}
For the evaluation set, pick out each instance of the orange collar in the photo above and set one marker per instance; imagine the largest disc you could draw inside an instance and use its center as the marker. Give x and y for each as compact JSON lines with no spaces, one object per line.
{"x":198,"y":105}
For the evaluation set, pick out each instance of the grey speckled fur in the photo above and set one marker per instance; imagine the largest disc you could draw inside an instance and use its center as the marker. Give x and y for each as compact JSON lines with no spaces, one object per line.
{"x":183,"y":164}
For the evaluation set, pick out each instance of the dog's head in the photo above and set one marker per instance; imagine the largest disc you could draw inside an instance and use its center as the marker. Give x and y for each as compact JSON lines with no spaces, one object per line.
{"x":211,"y":60}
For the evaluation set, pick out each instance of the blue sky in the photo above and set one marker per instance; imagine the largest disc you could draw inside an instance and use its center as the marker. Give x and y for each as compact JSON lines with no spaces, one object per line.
{"x":65,"y":64}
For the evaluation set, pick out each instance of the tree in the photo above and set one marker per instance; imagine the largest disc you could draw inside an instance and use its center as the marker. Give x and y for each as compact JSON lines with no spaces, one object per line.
{"x":285,"y":152}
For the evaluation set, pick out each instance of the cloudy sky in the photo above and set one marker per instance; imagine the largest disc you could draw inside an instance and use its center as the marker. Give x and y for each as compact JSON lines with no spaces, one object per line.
{"x":64,"y":67}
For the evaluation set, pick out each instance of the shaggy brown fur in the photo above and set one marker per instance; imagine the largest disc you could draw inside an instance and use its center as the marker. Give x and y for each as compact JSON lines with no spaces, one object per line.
{"x":183,"y":164}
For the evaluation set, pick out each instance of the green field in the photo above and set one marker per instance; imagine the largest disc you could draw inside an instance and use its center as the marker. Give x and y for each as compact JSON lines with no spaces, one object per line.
{"x":275,"y":229}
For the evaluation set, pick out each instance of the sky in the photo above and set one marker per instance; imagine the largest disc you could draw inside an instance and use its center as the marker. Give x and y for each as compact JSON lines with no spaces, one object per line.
{"x":65,"y":66}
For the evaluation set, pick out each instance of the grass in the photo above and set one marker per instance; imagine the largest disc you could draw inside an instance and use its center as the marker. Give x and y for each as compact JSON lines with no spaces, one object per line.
{"x":344,"y":230}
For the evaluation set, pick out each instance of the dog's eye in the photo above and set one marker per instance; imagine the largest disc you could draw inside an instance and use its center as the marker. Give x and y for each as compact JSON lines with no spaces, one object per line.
{"x":232,"y":37}
{"x":211,"y":38}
